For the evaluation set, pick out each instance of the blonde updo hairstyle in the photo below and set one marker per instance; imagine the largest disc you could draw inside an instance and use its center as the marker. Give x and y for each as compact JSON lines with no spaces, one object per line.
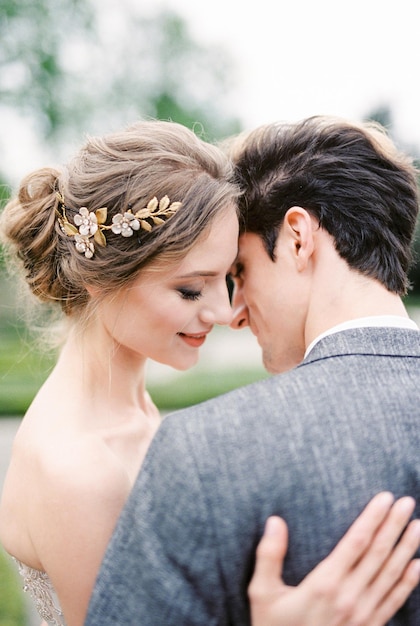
{"x":119,"y":171}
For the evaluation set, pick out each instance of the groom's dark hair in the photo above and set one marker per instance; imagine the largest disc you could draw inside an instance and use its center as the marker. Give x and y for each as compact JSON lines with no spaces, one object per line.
{"x":350,"y":176}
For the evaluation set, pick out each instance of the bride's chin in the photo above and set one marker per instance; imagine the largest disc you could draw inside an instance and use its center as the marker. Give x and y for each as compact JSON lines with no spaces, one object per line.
{"x":183,"y":367}
{"x":181,"y":363}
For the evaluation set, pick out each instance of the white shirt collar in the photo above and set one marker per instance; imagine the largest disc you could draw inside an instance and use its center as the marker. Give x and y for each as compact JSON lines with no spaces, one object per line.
{"x":395,"y":321}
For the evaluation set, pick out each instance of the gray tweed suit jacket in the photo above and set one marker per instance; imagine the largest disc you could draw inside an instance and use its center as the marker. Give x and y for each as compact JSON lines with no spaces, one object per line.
{"x":312,"y":445}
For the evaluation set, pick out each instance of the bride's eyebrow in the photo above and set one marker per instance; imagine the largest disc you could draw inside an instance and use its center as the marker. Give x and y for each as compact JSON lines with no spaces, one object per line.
{"x":197,"y":274}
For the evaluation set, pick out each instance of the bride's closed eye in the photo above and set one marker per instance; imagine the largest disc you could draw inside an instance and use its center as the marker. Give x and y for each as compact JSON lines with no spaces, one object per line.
{"x":189,"y":294}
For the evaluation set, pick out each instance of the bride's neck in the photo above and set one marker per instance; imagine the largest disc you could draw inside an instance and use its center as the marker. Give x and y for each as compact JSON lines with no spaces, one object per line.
{"x":92,"y":365}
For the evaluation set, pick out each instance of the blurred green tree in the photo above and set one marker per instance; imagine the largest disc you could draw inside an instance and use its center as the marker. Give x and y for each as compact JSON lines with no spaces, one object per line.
{"x":78,"y":66}
{"x":33,"y":73}
{"x":73,"y":67}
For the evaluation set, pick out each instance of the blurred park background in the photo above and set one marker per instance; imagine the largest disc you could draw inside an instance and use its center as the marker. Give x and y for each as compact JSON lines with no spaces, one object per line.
{"x":78,"y":67}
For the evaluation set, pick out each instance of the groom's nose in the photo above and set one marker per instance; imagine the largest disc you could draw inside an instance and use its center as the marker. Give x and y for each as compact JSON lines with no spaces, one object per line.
{"x":240,"y":317}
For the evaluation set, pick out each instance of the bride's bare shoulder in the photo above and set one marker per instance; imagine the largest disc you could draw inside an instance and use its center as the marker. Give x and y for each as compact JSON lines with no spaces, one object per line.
{"x":73,"y":469}
{"x":54,"y":487}
{"x":80,"y":463}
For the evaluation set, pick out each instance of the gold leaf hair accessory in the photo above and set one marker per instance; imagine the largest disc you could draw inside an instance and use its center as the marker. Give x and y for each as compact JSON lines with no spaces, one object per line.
{"x":89,"y":226}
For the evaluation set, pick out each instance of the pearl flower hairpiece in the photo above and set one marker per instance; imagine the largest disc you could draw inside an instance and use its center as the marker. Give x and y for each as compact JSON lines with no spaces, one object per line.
{"x":89,"y":226}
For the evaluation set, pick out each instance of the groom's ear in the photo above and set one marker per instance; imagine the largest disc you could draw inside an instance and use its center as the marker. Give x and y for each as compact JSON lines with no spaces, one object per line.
{"x":299,"y":228}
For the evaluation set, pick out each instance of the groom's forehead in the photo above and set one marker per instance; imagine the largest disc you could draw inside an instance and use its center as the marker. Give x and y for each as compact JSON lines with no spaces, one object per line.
{"x":251,"y":245}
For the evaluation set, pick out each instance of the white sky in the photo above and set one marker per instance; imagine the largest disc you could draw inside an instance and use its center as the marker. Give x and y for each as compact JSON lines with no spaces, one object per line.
{"x":299,"y":57}
{"x":302,"y":57}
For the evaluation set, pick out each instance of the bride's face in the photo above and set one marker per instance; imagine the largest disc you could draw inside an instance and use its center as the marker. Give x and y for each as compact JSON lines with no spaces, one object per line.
{"x":166,"y":314}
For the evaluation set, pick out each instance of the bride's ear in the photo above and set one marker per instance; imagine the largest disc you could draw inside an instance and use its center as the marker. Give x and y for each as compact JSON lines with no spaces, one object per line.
{"x":299,"y":228}
{"x":92,"y":291}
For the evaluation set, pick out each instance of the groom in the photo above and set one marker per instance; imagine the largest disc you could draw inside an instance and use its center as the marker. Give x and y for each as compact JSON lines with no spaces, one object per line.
{"x":329,"y":212}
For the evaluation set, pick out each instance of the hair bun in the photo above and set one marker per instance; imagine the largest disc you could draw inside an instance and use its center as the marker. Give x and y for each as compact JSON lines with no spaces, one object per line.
{"x":28,"y":226}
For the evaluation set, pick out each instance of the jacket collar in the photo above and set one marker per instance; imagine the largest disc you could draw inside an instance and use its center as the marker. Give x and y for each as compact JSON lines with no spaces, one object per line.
{"x":385,"y":341}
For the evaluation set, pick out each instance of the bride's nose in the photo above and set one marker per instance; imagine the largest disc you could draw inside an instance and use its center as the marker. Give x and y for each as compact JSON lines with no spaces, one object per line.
{"x":218,"y":310}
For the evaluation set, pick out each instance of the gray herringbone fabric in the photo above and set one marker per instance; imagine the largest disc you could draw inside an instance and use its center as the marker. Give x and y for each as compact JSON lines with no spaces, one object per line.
{"x":313,"y":445}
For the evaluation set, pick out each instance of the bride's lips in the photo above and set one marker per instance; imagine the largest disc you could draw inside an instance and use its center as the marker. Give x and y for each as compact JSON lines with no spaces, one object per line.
{"x":194,"y":340}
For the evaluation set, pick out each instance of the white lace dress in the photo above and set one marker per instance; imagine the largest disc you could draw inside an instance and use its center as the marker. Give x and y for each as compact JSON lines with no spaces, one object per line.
{"x":39,"y":586}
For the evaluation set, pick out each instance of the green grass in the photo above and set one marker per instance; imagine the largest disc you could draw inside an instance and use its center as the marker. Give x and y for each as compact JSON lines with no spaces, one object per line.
{"x":192,"y":388}
{"x":12,"y":606}
{"x":23,"y":369}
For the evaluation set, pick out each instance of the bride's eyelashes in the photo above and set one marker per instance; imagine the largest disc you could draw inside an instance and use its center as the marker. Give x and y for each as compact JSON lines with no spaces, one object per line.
{"x":189,"y":294}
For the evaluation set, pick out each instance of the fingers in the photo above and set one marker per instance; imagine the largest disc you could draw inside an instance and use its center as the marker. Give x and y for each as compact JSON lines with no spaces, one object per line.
{"x":383,"y":545}
{"x":358,"y":539}
{"x":269,"y":560}
{"x":400,"y":557}
{"x":365,"y":580}
{"x":372,"y":583}
{"x":398,"y":576}
{"x":398,"y":595}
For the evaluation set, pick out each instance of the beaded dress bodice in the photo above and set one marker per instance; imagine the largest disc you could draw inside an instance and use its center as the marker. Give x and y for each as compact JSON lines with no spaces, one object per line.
{"x":39,"y":586}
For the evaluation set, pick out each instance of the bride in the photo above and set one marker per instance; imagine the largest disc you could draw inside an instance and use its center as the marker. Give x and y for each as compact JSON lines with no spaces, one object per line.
{"x":132,"y":242}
